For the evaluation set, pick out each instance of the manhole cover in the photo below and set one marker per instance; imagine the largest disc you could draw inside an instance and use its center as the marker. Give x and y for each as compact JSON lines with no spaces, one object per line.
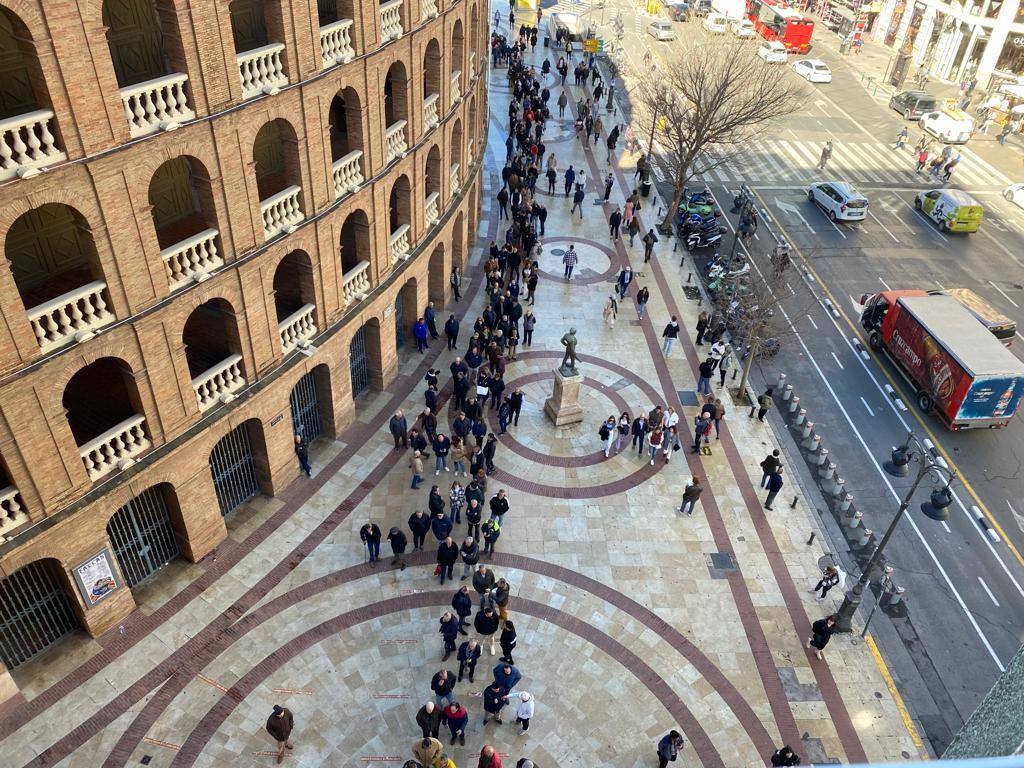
{"x":688,"y":397}
{"x":557,"y":251}
{"x":723,"y":561}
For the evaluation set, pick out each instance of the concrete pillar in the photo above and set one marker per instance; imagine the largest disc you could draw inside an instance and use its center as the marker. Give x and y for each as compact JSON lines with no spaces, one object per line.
{"x":996,"y":39}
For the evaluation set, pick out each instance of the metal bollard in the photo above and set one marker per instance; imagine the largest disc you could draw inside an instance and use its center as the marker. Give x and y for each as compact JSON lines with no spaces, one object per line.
{"x":787,"y":392}
{"x":794,"y":403}
{"x":840,"y":487}
{"x":806,"y":431}
{"x":822,"y":457}
{"x":863,"y":536}
{"x":855,"y":521}
{"x":827,"y":471}
{"x":689,"y":278}
{"x":846,"y":502}
{"x":811,"y":442}
{"x":801,"y":415}
{"x":781,"y":382}
{"x":896,"y":596}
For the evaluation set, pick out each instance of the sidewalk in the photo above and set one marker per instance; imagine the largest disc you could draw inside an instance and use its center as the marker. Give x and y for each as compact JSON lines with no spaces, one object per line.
{"x":631,"y":618}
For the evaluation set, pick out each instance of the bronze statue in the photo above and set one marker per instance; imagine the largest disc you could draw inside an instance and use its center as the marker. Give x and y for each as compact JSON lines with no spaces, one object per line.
{"x":568,"y":366}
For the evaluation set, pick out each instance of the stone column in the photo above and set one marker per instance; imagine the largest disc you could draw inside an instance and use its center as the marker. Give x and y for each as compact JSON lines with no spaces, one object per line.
{"x":563,"y":406}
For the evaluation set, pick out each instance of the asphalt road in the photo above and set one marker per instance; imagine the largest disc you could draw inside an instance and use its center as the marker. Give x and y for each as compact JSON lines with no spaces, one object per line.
{"x":964,"y":614}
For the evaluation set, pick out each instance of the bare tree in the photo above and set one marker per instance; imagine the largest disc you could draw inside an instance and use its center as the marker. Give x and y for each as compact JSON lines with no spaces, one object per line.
{"x":707,"y":103}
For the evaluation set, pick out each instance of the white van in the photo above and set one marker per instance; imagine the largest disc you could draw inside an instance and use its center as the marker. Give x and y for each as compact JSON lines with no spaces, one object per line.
{"x":716,"y":23}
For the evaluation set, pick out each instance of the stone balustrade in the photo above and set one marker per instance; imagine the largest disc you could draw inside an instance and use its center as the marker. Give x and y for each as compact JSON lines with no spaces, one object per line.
{"x":262,"y":70}
{"x":472,"y":63}
{"x":116,"y":448}
{"x":348,"y":173}
{"x":395,"y":141}
{"x":430,"y":115}
{"x":27,"y":143}
{"x":192,"y":259}
{"x":454,"y":177}
{"x":428,"y":8}
{"x":12,"y":510}
{"x":356,"y":282}
{"x":75,"y":314}
{"x":470,"y":150}
{"x":391,"y":20}
{"x":219,"y":383}
{"x":432,"y":207}
{"x":297,"y":327}
{"x":398,"y":244}
{"x":159,"y":104}
{"x":456,"y":86}
{"x":281,"y":212}
{"x":336,"y":43}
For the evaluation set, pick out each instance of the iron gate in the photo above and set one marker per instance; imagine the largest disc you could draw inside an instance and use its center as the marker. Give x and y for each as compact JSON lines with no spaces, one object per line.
{"x":399,"y":322}
{"x":306,"y":408}
{"x":35,"y":612}
{"x":357,"y":363}
{"x":234,"y":470}
{"x":143,"y":537}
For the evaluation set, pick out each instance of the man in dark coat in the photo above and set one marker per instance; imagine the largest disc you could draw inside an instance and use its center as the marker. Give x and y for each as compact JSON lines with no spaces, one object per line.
{"x":398,"y":544}
{"x":469,"y":653}
{"x":447,"y":555}
{"x":419,"y":524}
{"x":490,"y":448}
{"x":371,"y":535}
{"x":494,"y":700}
{"x":668,"y":748}
{"x":431,"y":317}
{"x":463,"y":605}
{"x":774,"y":485}
{"x":443,"y":686}
{"x":429,"y":719}
{"x":451,"y":331}
{"x":449,"y":630}
{"x":399,"y":429}
{"x":279,"y":726}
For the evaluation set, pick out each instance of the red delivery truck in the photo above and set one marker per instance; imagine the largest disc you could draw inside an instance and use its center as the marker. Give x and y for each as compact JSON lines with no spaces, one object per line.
{"x":958,"y":370}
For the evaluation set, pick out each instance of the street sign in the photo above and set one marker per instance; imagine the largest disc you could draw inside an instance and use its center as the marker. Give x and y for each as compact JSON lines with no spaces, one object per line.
{"x":590,"y":45}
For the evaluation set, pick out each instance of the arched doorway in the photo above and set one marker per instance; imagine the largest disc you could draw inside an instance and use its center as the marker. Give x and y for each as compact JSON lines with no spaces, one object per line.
{"x":143,"y":533}
{"x":235,"y":463}
{"x":410,"y":311}
{"x":36,"y":611}
{"x":358,"y":370}
{"x":310,"y":404}
{"x":437,"y":278}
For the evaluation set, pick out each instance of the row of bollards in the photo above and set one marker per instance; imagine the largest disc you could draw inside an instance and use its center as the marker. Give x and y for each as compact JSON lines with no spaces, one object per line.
{"x":833,"y":485}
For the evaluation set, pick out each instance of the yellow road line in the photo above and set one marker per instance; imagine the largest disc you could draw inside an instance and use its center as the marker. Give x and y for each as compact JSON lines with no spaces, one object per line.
{"x":908,"y":721}
{"x":899,"y":385}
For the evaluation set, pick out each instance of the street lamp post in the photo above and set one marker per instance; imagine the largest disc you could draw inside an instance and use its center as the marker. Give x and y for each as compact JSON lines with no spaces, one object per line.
{"x":935,"y":509}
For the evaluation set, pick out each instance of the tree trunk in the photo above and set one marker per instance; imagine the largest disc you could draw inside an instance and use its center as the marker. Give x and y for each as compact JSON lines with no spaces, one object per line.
{"x":668,"y":223}
{"x":754,"y":345}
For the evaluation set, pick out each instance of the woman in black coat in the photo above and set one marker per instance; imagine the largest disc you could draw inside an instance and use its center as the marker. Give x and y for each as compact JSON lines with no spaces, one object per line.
{"x":507,"y":641}
{"x":436,"y":503}
{"x":822,"y":631}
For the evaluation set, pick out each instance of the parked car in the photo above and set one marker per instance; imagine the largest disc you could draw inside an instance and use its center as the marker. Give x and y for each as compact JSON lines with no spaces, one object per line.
{"x":949,"y":124}
{"x":661,"y":30}
{"x":813,"y":70}
{"x":839,"y":200}
{"x":743,"y":28}
{"x":1015,"y":194}
{"x":701,"y":8}
{"x":772,"y":51}
{"x":912,"y":104}
{"x":715,"y":23}
{"x":678,"y":11}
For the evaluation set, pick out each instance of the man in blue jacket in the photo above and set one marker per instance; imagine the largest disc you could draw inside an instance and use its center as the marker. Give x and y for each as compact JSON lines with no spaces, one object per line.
{"x":507,"y":675}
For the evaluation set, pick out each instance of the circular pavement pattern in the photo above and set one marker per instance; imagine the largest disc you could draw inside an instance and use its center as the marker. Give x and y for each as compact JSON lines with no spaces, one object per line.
{"x":593,"y":256}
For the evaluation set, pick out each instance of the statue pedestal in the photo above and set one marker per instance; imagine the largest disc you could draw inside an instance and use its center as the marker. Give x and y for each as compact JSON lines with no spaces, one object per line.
{"x":563,"y":407}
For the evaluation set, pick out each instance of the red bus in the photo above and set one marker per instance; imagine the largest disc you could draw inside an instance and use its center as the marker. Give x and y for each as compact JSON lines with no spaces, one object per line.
{"x":777,"y":21}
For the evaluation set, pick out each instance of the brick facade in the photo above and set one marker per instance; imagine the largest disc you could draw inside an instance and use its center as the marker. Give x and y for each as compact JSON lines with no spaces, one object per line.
{"x":106,"y":180}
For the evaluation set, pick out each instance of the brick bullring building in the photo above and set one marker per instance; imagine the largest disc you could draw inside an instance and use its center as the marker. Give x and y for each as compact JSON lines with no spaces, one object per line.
{"x":219,"y":222}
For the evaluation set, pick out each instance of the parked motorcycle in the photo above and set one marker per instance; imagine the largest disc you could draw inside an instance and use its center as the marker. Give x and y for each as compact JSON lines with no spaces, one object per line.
{"x":704,"y":239}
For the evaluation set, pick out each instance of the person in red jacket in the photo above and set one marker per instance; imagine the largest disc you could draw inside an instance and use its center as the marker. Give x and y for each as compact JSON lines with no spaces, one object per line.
{"x":456,"y":717}
{"x":489,"y":757}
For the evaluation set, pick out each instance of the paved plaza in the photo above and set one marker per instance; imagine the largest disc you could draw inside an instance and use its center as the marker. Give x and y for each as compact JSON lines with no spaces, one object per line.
{"x":632,"y":619}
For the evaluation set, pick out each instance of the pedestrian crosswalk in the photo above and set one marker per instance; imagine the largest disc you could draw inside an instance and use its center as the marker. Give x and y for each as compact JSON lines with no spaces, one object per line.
{"x":787,"y":162}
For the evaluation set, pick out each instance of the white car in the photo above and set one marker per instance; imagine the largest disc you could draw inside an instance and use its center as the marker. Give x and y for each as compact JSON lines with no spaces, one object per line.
{"x":715,"y":23}
{"x":772,"y":52}
{"x":953,"y":126}
{"x":839,"y":200}
{"x":661,"y":30}
{"x":1015,"y":194}
{"x":813,"y":70}
{"x":743,"y":28}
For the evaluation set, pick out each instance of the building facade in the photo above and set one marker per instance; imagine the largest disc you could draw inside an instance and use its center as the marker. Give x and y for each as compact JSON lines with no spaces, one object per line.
{"x":219,"y":221}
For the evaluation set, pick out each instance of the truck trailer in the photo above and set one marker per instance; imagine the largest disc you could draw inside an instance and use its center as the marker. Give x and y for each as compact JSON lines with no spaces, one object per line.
{"x":957,"y":369}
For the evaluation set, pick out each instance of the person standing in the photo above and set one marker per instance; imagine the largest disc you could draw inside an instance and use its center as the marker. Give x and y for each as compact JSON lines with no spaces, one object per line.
{"x":458,"y":456}
{"x":701,"y":425}
{"x":428,"y":750}
{"x":507,"y":641}
{"x":474,"y":514}
{"x":716,"y":352}
{"x":774,"y":486}
{"x":569,"y":261}
{"x":706,"y":371}
{"x":483,"y":582}
{"x":429,"y":720}
{"x":614,"y":222}
{"x":442,"y":447}
{"x":670,"y":334}
{"x":489,"y":757}
{"x":419,"y":332}
{"x":821,"y":632}
{"x":502,"y":198}
{"x":494,"y":702}
{"x":486,"y":625}
{"x":470,"y":553}
{"x":492,"y":531}
{"x":455,"y":280}
{"x":443,"y":686}
{"x":490,"y":448}
{"x":398,"y":544}
{"x":456,"y":717}
{"x":610,"y":312}
{"x":639,"y":432}
{"x":430,"y":316}
{"x":399,"y":429}
{"x":764,"y":403}
{"x":529,"y":322}
{"x":279,"y":726}
{"x":702,"y":327}
{"x":577,"y":201}
{"x":515,"y":402}
{"x":649,"y":240}
{"x":691,"y":494}
{"x":302,"y":452}
{"x":419,"y":524}
{"x":569,"y":177}
{"x":447,"y":555}
{"x":462,"y":604}
{"x":524,"y":710}
{"x":371,"y":535}
{"x":451,"y":331}
{"x":507,"y":675}
{"x":668,"y":748}
{"x":623,"y":281}
{"x":609,"y":181}
{"x":469,"y":654}
{"x":724,"y":365}
{"x":449,"y":630}
{"x":784,"y":757}
{"x":770,"y":463}
{"x":642,"y":297}
{"x":499,"y":506}
{"x":563,"y":100}
{"x":656,"y":439}
{"x":829,"y":578}
{"x":826,"y":155}
{"x":718,"y":416}
{"x":500,"y":597}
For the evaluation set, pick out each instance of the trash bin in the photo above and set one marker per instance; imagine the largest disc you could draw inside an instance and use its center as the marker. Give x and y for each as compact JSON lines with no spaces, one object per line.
{"x":844,"y":47}
{"x":645,"y":188}
{"x":547,"y":41}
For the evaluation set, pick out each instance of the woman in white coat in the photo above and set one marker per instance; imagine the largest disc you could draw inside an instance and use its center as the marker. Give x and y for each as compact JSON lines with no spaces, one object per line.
{"x":524,"y":710}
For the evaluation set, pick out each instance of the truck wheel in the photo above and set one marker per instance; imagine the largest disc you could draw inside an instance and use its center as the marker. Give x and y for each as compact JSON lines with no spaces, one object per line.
{"x":875,"y":341}
{"x":924,"y":402}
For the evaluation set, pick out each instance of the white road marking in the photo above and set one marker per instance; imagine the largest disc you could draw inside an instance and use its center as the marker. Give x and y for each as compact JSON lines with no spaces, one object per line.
{"x":1002,"y":247}
{"x":870,"y":412}
{"x":816,"y":325}
{"x":841,"y":366}
{"x":1005,"y":295}
{"x":944,"y":525}
{"x":988,"y":592}
{"x":1018,"y":517}
{"x":895,"y":239}
{"x":882,"y":281}
{"x":931,"y":227}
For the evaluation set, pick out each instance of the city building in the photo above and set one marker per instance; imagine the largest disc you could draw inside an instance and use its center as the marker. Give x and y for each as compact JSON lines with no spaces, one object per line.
{"x":220,"y":221}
